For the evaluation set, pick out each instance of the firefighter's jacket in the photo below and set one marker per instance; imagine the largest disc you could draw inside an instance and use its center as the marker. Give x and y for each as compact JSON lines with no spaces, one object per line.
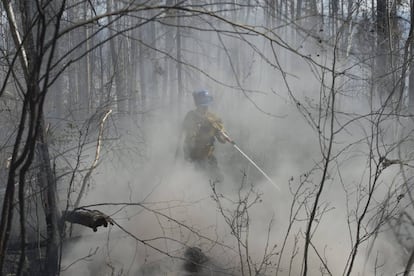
{"x":200,"y":132}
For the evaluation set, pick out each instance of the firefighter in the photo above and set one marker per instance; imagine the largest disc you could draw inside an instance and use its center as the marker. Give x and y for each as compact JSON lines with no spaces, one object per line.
{"x":201,"y":128}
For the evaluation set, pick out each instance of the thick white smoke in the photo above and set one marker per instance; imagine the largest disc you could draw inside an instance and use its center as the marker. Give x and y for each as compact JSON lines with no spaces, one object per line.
{"x":275,"y":132}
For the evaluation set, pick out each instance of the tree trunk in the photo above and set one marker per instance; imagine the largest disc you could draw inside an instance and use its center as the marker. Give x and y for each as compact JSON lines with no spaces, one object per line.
{"x":52,"y":212}
{"x":142,"y":72}
{"x":411,"y":80}
{"x":382,"y":50}
{"x":116,"y":45}
{"x":410,"y":65}
{"x":180,"y":87}
{"x":31,"y":130}
{"x":82,"y":85}
{"x":132,"y":74}
{"x":168,"y":88}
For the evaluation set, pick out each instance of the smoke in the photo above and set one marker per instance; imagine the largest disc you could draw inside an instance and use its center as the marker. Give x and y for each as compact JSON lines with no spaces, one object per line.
{"x":181,"y":210}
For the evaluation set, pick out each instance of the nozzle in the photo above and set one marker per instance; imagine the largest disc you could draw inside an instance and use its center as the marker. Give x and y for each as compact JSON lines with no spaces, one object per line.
{"x":227,"y":137}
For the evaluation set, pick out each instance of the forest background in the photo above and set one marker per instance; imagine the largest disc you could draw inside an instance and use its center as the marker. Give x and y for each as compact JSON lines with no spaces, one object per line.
{"x":318,"y":93}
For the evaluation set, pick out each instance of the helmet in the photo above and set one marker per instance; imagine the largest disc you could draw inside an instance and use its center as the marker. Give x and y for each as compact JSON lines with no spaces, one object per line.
{"x":202,"y":98}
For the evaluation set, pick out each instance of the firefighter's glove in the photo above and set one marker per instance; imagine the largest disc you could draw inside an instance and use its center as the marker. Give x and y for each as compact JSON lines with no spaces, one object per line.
{"x":226,"y":137}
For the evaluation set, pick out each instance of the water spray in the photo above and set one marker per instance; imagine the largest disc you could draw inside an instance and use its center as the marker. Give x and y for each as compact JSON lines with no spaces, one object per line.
{"x":250,"y":160}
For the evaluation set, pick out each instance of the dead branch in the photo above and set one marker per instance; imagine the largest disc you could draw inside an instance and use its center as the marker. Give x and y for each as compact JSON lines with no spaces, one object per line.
{"x":95,"y":161}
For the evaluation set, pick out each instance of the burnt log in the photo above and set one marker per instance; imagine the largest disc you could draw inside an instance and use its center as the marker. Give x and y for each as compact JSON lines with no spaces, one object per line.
{"x":89,"y":218}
